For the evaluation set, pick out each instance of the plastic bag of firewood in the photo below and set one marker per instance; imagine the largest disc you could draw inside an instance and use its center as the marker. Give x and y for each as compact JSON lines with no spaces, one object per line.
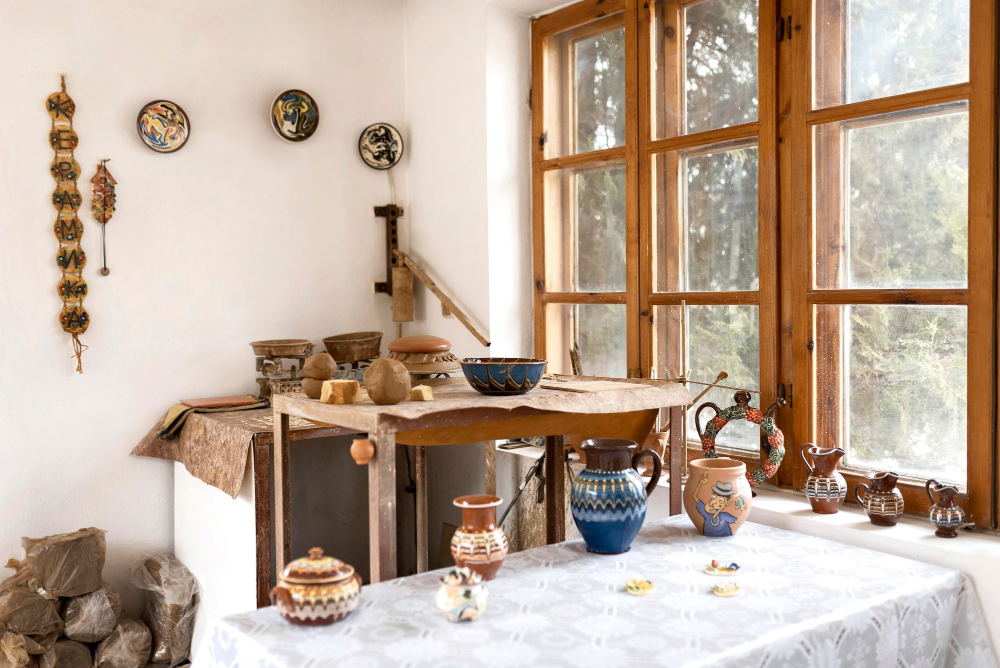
{"x":67,"y":654}
{"x":92,"y":617}
{"x":128,"y":646}
{"x":171,"y":602}
{"x":68,"y":564}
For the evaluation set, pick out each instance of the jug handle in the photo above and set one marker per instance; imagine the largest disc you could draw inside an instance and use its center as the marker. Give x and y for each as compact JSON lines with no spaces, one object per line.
{"x":857,"y":497}
{"x":802,"y":453}
{"x":927,"y":487}
{"x":657,"y":468}
{"x":282,"y":594}
{"x":697,"y":414}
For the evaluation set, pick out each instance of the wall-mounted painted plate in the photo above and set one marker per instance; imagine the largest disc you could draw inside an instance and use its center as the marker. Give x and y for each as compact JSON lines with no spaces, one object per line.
{"x":294,"y":115}
{"x":163,"y":126}
{"x":381,"y":146}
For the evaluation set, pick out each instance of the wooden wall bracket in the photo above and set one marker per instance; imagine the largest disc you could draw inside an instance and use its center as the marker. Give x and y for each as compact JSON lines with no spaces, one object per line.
{"x":392,"y":214}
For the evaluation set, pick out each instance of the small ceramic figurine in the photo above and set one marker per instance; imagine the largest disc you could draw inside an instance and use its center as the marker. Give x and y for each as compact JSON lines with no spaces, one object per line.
{"x":825,"y":487}
{"x":715,"y":568}
{"x":462,"y":596}
{"x":316,"y":590}
{"x":639,"y":587}
{"x":883,"y":503}
{"x":727,"y":589}
{"x":479,"y":543}
{"x":945,"y":514}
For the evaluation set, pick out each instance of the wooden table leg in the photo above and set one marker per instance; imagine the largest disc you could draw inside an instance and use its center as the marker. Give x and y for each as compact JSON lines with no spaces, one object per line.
{"x":421,"y":472}
{"x":282,"y":494}
{"x":555,"y":490}
{"x":676,"y":465}
{"x":262,"y":511}
{"x":382,"y":507}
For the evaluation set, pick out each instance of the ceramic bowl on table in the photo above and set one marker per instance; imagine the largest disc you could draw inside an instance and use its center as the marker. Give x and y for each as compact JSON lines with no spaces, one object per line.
{"x":503,"y":375}
{"x":281,"y":347}
{"x":354,"y":347}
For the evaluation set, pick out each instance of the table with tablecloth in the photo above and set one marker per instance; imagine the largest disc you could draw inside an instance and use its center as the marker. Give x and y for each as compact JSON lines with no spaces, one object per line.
{"x":806,"y":602}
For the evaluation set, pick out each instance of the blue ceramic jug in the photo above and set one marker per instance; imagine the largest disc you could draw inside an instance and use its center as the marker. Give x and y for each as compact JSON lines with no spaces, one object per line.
{"x":608,"y":498}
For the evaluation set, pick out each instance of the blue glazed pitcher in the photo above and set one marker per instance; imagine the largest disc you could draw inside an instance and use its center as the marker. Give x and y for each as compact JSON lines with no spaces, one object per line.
{"x":608,"y":498}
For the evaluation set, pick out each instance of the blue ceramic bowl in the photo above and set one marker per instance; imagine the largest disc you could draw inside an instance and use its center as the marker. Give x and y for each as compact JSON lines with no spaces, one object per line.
{"x":503,"y":375}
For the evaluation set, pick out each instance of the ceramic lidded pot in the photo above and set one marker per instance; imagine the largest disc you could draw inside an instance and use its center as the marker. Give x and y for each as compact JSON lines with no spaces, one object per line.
{"x":825,"y":487}
{"x":883,"y":503}
{"x":479,"y":543}
{"x":717,"y":496}
{"x":462,"y":596}
{"x":424,"y":356}
{"x":316,"y":590}
{"x":608,"y":498}
{"x":945,"y":514}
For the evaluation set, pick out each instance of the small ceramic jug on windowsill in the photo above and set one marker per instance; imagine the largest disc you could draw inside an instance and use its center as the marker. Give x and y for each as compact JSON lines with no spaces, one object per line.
{"x":825,"y":487}
{"x":945,"y":514}
{"x":883,"y":503}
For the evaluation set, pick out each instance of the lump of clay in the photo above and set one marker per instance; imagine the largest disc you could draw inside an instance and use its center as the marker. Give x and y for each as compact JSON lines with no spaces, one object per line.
{"x":128,"y":646}
{"x":92,"y":617}
{"x":312,"y":387}
{"x":67,"y":654}
{"x":68,"y":564}
{"x":341,"y":392}
{"x":387,"y":381}
{"x":320,"y":366}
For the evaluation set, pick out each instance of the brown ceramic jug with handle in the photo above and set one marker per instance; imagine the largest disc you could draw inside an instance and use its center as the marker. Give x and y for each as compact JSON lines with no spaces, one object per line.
{"x":825,"y":487}
{"x":945,"y":514}
{"x":883,"y":503}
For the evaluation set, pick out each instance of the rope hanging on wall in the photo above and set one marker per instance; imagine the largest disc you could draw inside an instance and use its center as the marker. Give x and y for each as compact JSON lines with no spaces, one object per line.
{"x":68,"y":229}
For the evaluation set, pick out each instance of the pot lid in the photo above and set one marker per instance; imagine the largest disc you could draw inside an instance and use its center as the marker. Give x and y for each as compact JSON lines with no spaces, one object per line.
{"x":317,"y":569}
{"x":420,"y":343}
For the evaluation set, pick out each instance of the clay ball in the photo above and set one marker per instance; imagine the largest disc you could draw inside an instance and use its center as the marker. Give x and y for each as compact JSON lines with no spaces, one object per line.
{"x":387,"y":381}
{"x":312,"y":387}
{"x":320,"y":366}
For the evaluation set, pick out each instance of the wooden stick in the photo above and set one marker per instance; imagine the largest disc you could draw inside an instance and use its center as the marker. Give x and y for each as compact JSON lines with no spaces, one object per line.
{"x":445,"y":300}
{"x":722,"y":376}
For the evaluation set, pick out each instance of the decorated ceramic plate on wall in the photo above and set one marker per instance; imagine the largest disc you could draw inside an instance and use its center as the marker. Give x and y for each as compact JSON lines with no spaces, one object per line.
{"x":294,"y":115}
{"x":381,"y":146}
{"x":163,"y":126}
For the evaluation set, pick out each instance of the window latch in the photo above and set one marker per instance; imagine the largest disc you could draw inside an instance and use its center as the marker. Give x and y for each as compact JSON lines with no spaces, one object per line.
{"x":784,"y":28}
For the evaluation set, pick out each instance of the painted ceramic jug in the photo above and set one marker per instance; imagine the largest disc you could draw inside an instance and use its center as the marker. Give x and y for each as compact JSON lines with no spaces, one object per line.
{"x":479,"y":543}
{"x":608,"y":499}
{"x":883,"y":503}
{"x":825,"y":487}
{"x":316,"y":590}
{"x":462,"y":596}
{"x":717,"y":495}
{"x":945,"y":514}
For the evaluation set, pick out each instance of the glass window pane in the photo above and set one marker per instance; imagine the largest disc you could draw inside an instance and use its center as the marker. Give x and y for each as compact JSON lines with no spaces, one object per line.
{"x":598,"y":330}
{"x":899,"y":380}
{"x":878,"y":48}
{"x":585,"y":229}
{"x":719,"y":338}
{"x":706,"y":219}
{"x":705,"y":65}
{"x":891,"y":200}
{"x":585,"y":88}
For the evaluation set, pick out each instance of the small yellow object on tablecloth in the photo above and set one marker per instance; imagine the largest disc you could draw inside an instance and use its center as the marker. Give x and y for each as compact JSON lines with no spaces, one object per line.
{"x":639,"y":587}
{"x":727,"y":589}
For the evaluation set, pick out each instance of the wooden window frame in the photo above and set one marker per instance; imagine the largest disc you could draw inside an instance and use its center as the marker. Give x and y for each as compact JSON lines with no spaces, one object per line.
{"x":785,"y":146}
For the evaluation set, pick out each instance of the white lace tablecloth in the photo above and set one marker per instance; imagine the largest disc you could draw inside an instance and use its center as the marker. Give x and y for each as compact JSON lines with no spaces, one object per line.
{"x":807,"y":602}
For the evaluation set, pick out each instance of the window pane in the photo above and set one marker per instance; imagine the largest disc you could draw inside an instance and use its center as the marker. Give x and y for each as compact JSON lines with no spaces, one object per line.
{"x":598,"y":330}
{"x":719,"y":338}
{"x":585,"y":88}
{"x":900,"y":373}
{"x":712,"y":82}
{"x":888,"y":47}
{"x":707,"y":224}
{"x":891,"y":200}
{"x":585,"y":229}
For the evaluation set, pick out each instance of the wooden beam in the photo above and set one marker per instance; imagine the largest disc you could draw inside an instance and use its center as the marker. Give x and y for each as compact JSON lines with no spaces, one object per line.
{"x":707,"y":138}
{"x":282,"y":496}
{"x":576,"y":14}
{"x":420,"y":466}
{"x":595,"y":158}
{"x":261,"y":453}
{"x":583,"y":297}
{"x":676,"y":462}
{"x":885,"y":105}
{"x":402,"y":294}
{"x":382,"y":507}
{"x":906,"y":296}
{"x":555,"y":490}
{"x":704,"y":298}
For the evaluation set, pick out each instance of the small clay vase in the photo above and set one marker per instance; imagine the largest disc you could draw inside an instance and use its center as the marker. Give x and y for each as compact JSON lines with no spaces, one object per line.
{"x":479,"y":543}
{"x":462,"y":596}
{"x":883,"y":503}
{"x":316,"y":590}
{"x":655,"y":442}
{"x":608,"y":498}
{"x":717,"y":496}
{"x":825,"y":487}
{"x":945,"y":514}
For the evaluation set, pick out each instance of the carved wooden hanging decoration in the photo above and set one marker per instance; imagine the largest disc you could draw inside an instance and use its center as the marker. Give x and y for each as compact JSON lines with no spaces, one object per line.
{"x":102,"y":206}
{"x":68,"y":229}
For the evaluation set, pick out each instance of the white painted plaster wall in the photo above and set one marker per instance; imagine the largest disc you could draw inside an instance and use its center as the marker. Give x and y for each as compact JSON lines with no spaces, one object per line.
{"x":238,"y":236}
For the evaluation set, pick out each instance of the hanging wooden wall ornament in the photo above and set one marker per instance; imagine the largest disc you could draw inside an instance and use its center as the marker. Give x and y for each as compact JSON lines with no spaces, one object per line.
{"x":102,"y":205}
{"x":68,"y":229}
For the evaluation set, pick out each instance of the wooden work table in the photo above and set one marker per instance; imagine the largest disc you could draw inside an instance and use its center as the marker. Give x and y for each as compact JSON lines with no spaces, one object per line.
{"x":592,"y":407}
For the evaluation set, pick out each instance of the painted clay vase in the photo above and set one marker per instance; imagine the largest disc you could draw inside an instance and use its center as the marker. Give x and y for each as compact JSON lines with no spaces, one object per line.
{"x":608,"y":498}
{"x":479,"y":543}
{"x":717,"y":496}
{"x":657,"y":442}
{"x":316,"y":590}
{"x":462,"y":596}
{"x":883,"y":503}
{"x":945,"y":514}
{"x":825,"y":487}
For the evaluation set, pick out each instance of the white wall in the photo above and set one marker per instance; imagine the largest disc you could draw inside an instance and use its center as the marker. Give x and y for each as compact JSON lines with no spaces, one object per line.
{"x":238,"y":236}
